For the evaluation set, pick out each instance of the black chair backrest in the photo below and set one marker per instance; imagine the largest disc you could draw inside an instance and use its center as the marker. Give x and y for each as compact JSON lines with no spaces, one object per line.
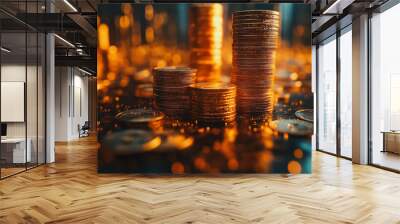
{"x":86,"y":125}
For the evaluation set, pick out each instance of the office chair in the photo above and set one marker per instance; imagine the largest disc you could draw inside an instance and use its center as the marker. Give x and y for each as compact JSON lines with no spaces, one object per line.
{"x":84,"y":130}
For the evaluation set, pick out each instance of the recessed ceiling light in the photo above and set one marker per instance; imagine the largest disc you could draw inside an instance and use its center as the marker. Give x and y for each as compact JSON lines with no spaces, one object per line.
{"x":70,"y":5}
{"x":337,"y":7}
{"x":5,"y":50}
{"x":64,"y":40}
{"x":84,"y":71}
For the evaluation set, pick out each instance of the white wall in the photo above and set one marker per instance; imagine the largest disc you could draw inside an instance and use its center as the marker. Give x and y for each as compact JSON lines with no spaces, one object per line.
{"x":62,"y":81}
{"x":12,"y":73}
{"x":71,"y":93}
{"x":81,"y":104}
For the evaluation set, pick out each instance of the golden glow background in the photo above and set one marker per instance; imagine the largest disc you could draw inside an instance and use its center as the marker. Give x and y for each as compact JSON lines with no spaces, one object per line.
{"x":134,"y":39}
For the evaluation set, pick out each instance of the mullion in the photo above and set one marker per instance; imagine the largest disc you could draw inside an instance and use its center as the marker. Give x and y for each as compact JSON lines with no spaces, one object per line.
{"x":0,"y":92}
{"x":26,"y":86}
{"x":338,"y":95}
{"x":317,"y":97}
{"x":37,"y":90}
{"x":369,"y":100}
{"x":46,"y":36}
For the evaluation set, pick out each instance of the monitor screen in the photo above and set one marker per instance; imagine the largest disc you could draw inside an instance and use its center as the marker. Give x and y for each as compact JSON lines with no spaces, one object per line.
{"x":3,"y":129}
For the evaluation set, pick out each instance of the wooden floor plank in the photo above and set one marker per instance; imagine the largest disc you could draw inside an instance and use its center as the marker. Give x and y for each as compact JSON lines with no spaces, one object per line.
{"x":71,"y":191}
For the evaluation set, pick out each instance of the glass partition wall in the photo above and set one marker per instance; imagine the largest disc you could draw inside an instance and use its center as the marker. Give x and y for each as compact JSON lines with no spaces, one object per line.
{"x":22,"y":77}
{"x":334,"y":94}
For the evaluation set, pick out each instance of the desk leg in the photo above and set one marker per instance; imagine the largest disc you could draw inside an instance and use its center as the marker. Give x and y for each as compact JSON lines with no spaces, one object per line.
{"x":384,"y":142}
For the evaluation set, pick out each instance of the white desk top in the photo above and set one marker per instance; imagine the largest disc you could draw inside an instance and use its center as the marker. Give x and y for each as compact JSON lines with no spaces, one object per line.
{"x":13,"y":140}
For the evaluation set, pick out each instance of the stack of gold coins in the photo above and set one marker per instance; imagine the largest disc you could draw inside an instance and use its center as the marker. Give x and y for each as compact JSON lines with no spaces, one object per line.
{"x":213,"y":102}
{"x":255,"y":40}
{"x":171,"y":89}
{"x":205,"y":38}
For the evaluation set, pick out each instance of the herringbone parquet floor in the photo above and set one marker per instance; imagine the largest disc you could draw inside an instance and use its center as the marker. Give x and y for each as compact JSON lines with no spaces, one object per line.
{"x":71,"y":191}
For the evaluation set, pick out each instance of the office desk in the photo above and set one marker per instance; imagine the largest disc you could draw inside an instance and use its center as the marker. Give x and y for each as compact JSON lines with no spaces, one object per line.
{"x":391,"y":141}
{"x":13,"y":150}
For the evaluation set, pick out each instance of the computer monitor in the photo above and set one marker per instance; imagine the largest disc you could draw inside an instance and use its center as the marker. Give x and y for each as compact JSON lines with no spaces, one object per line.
{"x":3,"y":129}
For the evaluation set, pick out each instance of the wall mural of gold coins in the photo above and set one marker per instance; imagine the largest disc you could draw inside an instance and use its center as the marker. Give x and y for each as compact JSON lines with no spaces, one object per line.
{"x":204,"y":88}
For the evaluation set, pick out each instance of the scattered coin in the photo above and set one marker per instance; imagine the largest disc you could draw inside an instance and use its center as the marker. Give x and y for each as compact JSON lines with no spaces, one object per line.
{"x":305,"y":114}
{"x":131,"y":141}
{"x":293,"y":127}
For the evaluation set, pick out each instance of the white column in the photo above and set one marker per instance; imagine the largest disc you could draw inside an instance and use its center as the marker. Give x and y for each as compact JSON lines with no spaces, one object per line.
{"x":50,"y":92}
{"x":360,"y":90}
